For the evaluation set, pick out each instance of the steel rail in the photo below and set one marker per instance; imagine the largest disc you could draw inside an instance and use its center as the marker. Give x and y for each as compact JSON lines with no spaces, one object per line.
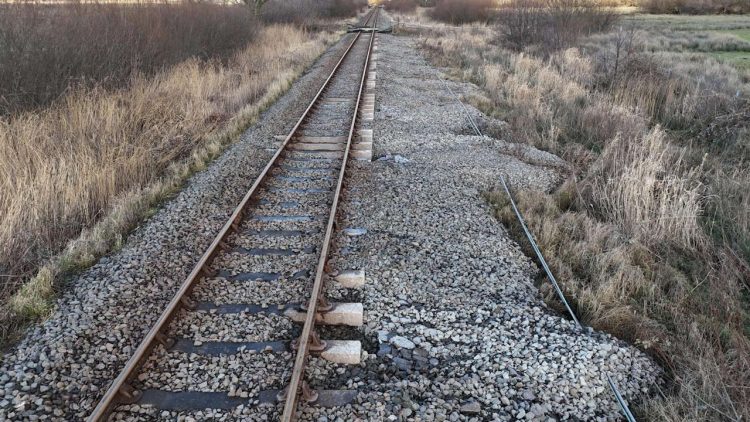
{"x":463,"y":106}
{"x":290,"y":406}
{"x":119,"y":388}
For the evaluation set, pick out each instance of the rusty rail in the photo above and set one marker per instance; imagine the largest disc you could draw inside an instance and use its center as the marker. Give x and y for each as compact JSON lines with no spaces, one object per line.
{"x":296,"y":383}
{"x":120,"y":391}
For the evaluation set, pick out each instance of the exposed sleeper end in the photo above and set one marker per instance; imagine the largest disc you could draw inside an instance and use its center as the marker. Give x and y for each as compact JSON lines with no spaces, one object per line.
{"x":351,"y":279}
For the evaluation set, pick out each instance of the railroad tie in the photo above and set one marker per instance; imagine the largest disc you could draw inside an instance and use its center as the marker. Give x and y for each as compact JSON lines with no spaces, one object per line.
{"x":362,"y":148}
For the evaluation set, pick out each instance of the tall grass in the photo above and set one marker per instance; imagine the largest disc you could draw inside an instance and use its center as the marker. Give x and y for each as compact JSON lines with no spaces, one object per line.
{"x":649,"y":231}
{"x":48,"y":49}
{"x":637,"y":185}
{"x":100,"y":158}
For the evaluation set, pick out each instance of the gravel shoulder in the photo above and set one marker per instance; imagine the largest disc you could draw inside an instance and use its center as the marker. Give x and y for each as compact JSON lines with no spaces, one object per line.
{"x":454,"y":327}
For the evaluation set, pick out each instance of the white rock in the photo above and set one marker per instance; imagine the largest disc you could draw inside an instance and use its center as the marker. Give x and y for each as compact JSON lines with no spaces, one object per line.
{"x":402,"y":342}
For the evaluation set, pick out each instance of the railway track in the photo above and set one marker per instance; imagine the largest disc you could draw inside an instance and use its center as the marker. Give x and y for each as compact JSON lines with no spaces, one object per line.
{"x":258,"y":291}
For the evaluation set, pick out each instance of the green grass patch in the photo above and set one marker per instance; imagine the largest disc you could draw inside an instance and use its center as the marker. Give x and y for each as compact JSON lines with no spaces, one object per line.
{"x":740,"y":59}
{"x":691,"y":22}
{"x":741,"y":33}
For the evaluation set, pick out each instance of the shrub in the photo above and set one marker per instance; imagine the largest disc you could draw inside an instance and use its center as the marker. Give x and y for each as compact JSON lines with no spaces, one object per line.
{"x":401,"y":5}
{"x":306,"y":12}
{"x":289,"y":11}
{"x":343,"y":8}
{"x":46,"y":49}
{"x":462,"y":11}
{"x":551,"y":24}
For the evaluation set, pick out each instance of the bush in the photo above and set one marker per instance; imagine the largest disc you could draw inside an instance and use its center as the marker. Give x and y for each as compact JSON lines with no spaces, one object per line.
{"x":343,"y":8}
{"x":459,"y":12}
{"x":289,"y":11}
{"x":306,"y":12}
{"x":401,"y":5}
{"x":552,"y":24}
{"x":46,"y":49}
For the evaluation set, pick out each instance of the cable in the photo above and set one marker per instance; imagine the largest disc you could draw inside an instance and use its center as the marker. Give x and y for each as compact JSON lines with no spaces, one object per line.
{"x":620,"y":401}
{"x":463,"y":106}
{"x":539,"y":254}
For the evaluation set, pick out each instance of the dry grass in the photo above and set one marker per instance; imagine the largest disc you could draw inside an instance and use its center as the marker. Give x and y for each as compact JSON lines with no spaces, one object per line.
{"x":690,"y":320}
{"x":98,"y":160}
{"x":649,"y":233}
{"x":637,"y":185}
{"x":694,"y":7}
{"x":683,"y":7}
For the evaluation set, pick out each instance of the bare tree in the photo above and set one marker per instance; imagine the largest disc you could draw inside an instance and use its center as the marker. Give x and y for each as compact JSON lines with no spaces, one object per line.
{"x":623,"y":45}
{"x":552,"y":24}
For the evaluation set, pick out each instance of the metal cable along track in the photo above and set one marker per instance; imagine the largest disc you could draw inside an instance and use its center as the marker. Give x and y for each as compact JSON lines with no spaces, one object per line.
{"x":297,"y":146}
{"x":618,"y":396}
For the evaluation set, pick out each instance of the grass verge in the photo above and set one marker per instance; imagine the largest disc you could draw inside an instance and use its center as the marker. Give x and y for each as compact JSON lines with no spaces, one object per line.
{"x":648,"y":233}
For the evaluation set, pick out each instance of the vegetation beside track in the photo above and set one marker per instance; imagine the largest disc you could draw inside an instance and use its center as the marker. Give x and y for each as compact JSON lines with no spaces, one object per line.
{"x":47,"y":50}
{"x":649,"y":232}
{"x":81,"y":172}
